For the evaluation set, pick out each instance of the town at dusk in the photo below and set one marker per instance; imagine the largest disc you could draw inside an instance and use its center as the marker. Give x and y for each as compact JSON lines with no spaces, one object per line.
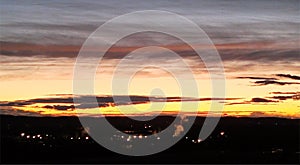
{"x":209,"y":81}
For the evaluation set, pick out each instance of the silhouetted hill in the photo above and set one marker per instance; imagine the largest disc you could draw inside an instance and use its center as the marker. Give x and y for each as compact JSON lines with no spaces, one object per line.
{"x":235,"y":140}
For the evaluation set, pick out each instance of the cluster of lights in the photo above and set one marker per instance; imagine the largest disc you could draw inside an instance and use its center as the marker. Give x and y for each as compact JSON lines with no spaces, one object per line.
{"x":79,"y":138}
{"x":196,"y":141}
{"x":130,"y":137}
{"x":147,"y":126}
{"x":39,"y":136}
{"x":222,"y":133}
{"x":33,"y":136}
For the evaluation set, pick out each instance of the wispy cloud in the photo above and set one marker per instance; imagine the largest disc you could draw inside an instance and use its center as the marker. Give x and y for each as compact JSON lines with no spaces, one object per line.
{"x":254,"y":100}
{"x":270,"y":80}
{"x":273,"y":82}
{"x":294,"y":77}
{"x":231,"y":21}
{"x":60,"y":107}
{"x":257,"y":78}
{"x":65,"y":102}
{"x":285,"y":95}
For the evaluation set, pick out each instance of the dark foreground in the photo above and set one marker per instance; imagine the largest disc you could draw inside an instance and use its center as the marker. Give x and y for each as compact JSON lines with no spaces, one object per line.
{"x":235,"y":140}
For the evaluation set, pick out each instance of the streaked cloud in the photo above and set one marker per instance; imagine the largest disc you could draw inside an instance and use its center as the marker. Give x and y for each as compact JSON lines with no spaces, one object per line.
{"x":258,"y":78}
{"x":294,"y":77}
{"x":254,"y":100}
{"x":63,"y":104}
{"x":261,"y":100}
{"x":273,"y":82}
{"x":261,"y":81}
{"x":66,"y":101}
{"x":60,"y":107}
{"x":285,"y":95}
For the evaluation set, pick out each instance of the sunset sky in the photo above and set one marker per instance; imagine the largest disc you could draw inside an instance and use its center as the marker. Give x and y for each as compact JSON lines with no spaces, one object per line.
{"x":258,"y":41}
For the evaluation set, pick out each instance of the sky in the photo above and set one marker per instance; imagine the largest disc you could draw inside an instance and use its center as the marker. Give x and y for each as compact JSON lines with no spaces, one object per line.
{"x":258,"y":42}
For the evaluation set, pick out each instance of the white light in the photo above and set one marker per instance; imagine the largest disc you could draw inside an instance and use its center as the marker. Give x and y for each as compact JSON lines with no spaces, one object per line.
{"x":199,"y":140}
{"x":33,"y":137}
{"x":122,"y":137}
{"x":28,"y":136}
{"x":86,"y":138}
{"x":78,"y":138}
{"x":22,"y":134}
{"x":140,"y":137}
{"x":186,"y":137}
{"x":128,"y":139}
{"x":47,"y":135}
{"x":38,"y":135}
{"x":158,"y":138}
{"x":134,"y":136}
{"x":72,"y":138}
{"x":222,"y":133}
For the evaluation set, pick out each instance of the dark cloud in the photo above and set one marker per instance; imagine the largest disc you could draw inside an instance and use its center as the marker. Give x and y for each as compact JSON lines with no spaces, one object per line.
{"x":268,"y":82}
{"x":254,"y":100}
{"x":208,"y":99}
{"x":66,"y":100}
{"x":18,"y":104}
{"x":87,"y":105}
{"x":66,"y":103}
{"x":284,"y":93}
{"x":261,"y":100}
{"x":18,"y":112}
{"x":294,"y":77}
{"x":60,"y":107}
{"x":281,"y":97}
{"x":257,"y":78}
